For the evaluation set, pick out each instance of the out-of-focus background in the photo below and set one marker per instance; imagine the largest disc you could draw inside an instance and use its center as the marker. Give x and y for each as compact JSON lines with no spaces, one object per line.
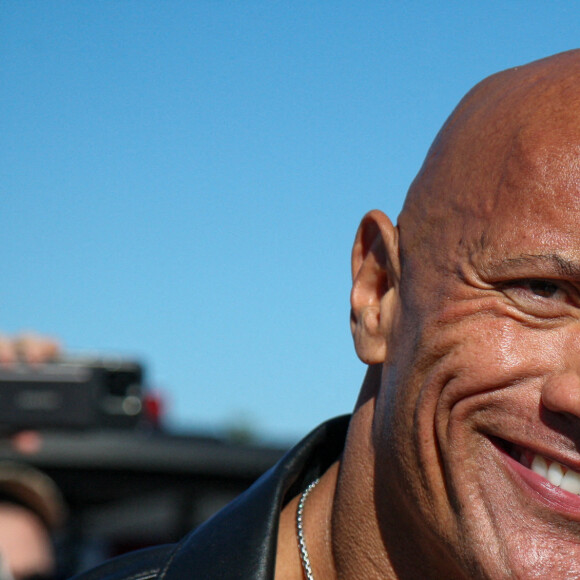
{"x":181,"y":181}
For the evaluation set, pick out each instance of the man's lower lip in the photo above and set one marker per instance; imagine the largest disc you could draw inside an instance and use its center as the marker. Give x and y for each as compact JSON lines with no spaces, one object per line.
{"x":540,"y":489}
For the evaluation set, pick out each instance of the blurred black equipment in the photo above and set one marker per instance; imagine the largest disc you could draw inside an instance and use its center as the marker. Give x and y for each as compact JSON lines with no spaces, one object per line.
{"x":73,"y":393}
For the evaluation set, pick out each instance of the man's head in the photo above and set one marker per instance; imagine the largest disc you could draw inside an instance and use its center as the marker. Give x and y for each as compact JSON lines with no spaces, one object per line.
{"x":31,"y":508}
{"x":471,"y":307}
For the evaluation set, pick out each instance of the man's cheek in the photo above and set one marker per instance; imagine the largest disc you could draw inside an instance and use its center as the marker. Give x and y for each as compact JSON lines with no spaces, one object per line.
{"x":496,"y":355}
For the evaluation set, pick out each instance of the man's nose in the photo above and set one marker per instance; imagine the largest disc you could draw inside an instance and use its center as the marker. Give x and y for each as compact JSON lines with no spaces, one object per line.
{"x":561,"y":394}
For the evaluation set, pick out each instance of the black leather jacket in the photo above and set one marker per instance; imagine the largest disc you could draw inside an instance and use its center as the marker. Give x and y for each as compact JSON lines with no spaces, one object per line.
{"x":239,"y":542}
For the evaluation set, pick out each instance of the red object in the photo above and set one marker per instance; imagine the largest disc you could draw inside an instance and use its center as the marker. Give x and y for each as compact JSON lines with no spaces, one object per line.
{"x":153,"y":408}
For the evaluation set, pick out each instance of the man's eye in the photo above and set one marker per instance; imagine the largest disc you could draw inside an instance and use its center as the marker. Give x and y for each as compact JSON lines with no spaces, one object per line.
{"x":543,"y":288}
{"x":541,"y":297}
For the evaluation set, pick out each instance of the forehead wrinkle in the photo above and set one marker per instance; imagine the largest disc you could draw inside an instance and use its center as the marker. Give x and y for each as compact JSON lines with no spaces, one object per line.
{"x":514,"y":134}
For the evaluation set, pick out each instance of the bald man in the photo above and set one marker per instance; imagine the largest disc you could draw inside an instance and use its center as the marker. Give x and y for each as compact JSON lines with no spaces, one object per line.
{"x":461,"y":459}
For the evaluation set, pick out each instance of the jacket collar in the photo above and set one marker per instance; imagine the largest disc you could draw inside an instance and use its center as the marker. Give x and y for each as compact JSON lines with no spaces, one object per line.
{"x":239,"y":542}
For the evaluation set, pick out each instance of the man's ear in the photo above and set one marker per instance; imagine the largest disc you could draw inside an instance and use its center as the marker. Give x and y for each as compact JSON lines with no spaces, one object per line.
{"x":375,"y":280}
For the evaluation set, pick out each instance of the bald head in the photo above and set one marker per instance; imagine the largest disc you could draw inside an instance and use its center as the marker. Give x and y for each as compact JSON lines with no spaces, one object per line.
{"x":519,"y":125}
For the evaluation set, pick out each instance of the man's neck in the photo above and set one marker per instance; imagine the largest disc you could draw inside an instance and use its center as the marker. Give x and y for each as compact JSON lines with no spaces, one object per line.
{"x":317,"y":528}
{"x":359,"y":551}
{"x":340,"y":522}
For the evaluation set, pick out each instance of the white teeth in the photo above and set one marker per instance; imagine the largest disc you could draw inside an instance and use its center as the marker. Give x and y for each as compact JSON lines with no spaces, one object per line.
{"x":540,"y":466}
{"x":557,"y":474}
{"x":571,"y":482}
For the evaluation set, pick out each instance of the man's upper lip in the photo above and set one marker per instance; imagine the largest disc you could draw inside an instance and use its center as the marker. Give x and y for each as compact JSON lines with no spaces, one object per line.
{"x":551,"y":452}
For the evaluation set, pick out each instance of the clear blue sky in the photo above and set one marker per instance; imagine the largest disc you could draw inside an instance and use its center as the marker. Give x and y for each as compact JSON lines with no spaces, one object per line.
{"x":182,"y":180}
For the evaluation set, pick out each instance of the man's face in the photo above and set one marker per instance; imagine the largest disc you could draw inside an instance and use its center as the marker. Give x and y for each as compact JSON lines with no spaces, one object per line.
{"x":477,"y":425}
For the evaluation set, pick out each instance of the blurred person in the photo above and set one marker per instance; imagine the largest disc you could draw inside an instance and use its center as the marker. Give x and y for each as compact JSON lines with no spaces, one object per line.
{"x":31,"y":506}
{"x":31,"y":510}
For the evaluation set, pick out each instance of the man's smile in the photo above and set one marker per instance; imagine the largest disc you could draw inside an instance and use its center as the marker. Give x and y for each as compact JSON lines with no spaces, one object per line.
{"x":557,"y":484}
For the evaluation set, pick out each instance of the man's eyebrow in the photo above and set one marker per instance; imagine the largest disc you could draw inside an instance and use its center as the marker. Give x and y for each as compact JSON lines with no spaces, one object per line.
{"x":558,"y":264}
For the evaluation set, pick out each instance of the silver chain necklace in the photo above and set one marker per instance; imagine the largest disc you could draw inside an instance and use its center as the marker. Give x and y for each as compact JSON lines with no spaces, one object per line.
{"x":300,"y":529}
